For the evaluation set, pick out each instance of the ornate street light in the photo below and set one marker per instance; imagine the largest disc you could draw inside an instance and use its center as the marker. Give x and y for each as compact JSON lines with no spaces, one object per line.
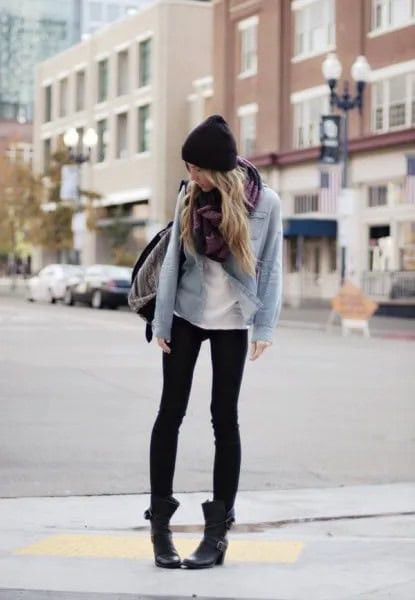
{"x":71,"y":140}
{"x":360,"y":71}
{"x":71,"y":181}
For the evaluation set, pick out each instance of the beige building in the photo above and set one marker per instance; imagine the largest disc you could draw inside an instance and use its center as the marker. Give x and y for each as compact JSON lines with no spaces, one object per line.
{"x":130,"y":83}
{"x":267,"y":81}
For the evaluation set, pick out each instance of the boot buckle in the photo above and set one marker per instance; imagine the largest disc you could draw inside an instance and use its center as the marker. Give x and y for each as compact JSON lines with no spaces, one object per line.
{"x":148,"y":514}
{"x":221,"y":546}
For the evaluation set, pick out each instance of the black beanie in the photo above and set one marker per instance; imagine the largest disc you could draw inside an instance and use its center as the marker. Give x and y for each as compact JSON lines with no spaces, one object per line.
{"x":211,"y":145}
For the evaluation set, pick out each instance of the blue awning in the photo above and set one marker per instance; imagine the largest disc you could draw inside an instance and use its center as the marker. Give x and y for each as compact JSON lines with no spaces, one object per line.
{"x":310,"y":228}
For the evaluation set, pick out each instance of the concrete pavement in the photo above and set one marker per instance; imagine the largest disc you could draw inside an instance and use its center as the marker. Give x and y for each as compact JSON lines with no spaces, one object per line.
{"x":322,"y":544}
{"x":317,"y":411}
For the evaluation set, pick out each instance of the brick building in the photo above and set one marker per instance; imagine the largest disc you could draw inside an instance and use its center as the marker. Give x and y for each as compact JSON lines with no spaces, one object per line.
{"x":267,"y":81}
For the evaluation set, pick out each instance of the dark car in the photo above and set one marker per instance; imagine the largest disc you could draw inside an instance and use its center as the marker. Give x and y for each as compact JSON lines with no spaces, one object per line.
{"x":101,"y":285}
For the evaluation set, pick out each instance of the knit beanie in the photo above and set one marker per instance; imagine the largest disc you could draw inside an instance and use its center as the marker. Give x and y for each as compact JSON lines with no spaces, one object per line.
{"x":211,"y":145}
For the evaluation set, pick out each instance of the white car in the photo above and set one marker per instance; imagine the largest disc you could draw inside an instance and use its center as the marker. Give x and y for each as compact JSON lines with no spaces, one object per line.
{"x":51,"y":282}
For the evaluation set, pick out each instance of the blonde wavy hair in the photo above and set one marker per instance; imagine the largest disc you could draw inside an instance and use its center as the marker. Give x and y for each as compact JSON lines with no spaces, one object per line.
{"x":234,"y":226}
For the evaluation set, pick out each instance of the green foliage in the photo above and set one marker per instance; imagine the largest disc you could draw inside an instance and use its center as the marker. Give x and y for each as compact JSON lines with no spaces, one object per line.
{"x":20,"y":201}
{"x":53,"y":229}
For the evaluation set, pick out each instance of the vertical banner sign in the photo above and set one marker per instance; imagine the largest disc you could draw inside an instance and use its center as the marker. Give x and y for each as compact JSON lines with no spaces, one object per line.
{"x":330,"y":139}
{"x":69,"y":182}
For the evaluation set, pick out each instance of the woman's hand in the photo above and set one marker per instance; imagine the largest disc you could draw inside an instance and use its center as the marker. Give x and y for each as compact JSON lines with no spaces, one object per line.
{"x":257,"y":348}
{"x":163,"y":345}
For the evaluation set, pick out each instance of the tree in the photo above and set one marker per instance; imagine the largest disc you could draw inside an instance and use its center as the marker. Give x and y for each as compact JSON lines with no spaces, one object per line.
{"x":21,"y":195}
{"x":54,"y":225}
{"x":117,"y":232}
{"x":31,"y":210}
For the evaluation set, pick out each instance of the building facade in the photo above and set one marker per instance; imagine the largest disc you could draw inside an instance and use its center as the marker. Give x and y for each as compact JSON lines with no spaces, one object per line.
{"x":267,"y":81}
{"x":129,"y":82}
{"x":30,"y":31}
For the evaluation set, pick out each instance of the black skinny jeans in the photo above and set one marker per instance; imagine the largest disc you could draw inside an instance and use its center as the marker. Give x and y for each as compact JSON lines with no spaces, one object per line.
{"x":228,"y":353}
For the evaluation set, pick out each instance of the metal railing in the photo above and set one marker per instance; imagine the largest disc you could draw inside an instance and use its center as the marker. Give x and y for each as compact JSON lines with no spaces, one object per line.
{"x":393,"y":285}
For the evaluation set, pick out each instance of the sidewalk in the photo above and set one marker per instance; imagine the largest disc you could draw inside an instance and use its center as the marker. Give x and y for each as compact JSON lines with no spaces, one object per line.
{"x":318,"y":318}
{"x":313,"y":544}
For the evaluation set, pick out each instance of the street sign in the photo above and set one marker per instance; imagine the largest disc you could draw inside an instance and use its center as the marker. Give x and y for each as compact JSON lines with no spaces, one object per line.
{"x":354,"y":308}
{"x":351,"y":303}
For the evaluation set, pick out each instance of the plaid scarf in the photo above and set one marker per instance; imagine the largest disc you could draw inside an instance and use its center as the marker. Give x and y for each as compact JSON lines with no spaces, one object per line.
{"x":207,"y":214}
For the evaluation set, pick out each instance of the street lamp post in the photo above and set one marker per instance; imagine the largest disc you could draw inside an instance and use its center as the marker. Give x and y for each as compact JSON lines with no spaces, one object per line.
{"x":71,"y":140}
{"x":360,"y":73}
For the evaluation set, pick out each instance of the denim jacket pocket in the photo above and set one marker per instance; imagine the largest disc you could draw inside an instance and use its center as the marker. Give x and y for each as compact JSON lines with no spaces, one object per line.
{"x":256,"y":223}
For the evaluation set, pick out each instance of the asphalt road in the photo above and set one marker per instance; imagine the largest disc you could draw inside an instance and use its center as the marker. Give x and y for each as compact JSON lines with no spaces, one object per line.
{"x":80,"y":390}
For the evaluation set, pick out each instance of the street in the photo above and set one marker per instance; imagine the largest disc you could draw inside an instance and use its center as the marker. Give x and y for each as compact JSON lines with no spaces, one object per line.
{"x":328,"y":436}
{"x":80,"y":390}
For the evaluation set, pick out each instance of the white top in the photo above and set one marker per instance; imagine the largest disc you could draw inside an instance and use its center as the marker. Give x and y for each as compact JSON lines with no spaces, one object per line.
{"x":221,"y":309}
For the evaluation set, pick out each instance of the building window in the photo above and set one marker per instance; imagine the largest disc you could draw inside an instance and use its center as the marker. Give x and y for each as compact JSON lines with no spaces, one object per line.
{"x":249,"y":46}
{"x":387,"y":14}
{"x":406,"y":244}
{"x":47,"y":151}
{"x":393,"y":103}
{"x":113,"y":12}
{"x":20,"y":152}
{"x":102,"y":140}
{"x":144,"y":128}
{"x":80,"y":90}
{"x":314,"y":27}
{"x":144,"y":63}
{"x":377,"y":195}
{"x":307,"y":115}
{"x":63,"y":97}
{"x":247,"y":129}
{"x":305,"y":203}
{"x":122,"y":73}
{"x":102,"y":80}
{"x":48,"y":103}
{"x":122,"y":135}
{"x":95,"y":11}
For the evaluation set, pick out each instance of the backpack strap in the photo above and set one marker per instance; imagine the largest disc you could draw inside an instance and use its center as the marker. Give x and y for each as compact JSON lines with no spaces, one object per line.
{"x":149,"y":332}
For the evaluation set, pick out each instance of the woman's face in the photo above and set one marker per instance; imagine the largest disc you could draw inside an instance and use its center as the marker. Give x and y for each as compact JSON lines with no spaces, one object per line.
{"x":199,"y":176}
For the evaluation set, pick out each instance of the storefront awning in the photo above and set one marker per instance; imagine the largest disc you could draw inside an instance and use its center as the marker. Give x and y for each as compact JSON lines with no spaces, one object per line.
{"x":310,"y":228}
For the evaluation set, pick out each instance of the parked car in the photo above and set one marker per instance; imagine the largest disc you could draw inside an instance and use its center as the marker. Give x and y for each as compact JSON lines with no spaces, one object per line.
{"x":50,"y":283}
{"x":101,"y":285}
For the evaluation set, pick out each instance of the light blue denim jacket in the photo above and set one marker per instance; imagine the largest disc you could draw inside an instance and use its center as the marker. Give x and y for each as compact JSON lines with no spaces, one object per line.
{"x":259,"y":296}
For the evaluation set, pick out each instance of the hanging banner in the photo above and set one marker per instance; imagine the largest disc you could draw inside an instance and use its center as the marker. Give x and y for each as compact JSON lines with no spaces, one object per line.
{"x":330,"y":139}
{"x":70,"y":182}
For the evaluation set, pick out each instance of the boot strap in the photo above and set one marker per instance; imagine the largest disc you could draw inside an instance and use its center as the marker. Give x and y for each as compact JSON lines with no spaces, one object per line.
{"x":220,"y":545}
{"x":227,"y":523}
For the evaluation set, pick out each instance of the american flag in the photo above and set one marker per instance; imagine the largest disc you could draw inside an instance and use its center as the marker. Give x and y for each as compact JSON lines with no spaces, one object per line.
{"x":330,"y":185}
{"x":410,"y":179}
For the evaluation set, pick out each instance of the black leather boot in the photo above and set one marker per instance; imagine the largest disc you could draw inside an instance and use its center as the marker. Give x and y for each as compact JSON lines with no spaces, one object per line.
{"x":159,"y":515}
{"x":212,"y":549}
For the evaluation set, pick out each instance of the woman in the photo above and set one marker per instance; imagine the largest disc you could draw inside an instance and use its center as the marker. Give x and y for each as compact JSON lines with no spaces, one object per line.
{"x":228,"y":224}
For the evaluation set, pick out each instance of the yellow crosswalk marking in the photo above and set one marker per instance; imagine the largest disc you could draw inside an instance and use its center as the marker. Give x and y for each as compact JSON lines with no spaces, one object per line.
{"x":139,"y":547}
